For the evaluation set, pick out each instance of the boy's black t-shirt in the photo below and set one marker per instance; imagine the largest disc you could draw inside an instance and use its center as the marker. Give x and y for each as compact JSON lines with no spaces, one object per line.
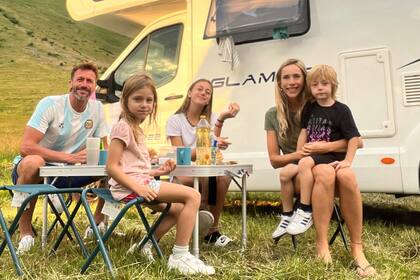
{"x":328,"y":123}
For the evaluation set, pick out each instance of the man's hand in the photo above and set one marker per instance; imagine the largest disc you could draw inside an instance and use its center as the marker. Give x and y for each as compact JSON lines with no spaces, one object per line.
{"x":79,"y":157}
{"x":146,"y":192}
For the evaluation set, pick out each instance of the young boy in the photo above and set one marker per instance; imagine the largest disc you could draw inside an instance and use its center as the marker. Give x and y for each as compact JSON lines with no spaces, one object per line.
{"x":327,"y":120}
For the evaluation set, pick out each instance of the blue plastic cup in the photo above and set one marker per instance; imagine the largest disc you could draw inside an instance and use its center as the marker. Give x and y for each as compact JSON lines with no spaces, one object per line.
{"x":183,"y":156}
{"x":103,"y":156}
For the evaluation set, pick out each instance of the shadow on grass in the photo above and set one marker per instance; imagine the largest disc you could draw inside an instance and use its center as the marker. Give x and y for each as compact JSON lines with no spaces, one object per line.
{"x":387,"y":215}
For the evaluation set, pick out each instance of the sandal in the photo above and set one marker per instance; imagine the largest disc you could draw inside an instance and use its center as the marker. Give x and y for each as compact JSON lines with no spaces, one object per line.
{"x":363,"y":272}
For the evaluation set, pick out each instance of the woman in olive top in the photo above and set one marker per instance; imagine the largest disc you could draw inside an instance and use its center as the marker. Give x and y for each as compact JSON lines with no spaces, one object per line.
{"x":282,"y":124}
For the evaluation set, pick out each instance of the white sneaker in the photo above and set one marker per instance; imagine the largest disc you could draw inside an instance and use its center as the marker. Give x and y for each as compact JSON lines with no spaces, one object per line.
{"x":300,"y":223}
{"x":146,"y":250}
{"x":89,"y":231}
{"x":25,"y":244}
{"x":216,"y":239}
{"x":56,"y":202}
{"x":188,"y":264}
{"x":281,"y":228}
{"x":205,"y":221}
{"x":222,"y":241}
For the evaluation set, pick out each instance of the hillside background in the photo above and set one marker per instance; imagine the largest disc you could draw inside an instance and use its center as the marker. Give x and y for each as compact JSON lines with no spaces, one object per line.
{"x":39,"y":44}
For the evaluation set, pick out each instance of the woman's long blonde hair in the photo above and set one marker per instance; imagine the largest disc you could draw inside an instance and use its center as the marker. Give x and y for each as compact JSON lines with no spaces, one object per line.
{"x":187,"y":101}
{"x":282,"y":102}
{"x":131,"y":85}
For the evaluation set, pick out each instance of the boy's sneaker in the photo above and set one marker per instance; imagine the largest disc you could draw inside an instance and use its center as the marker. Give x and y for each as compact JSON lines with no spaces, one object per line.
{"x":282,"y":226}
{"x":217,"y":239}
{"x":205,"y":221}
{"x":25,"y":244}
{"x":188,"y":264}
{"x":89,"y":231}
{"x":301,"y":222}
{"x":146,"y":250}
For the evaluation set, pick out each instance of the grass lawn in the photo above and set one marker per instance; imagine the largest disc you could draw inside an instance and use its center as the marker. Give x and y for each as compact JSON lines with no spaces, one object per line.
{"x":392,"y":246}
{"x":38,"y":45}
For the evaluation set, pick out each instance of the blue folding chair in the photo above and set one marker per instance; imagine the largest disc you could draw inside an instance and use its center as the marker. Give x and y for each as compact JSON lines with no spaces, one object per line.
{"x":34,"y":190}
{"x":137,"y":202}
{"x":12,"y":250}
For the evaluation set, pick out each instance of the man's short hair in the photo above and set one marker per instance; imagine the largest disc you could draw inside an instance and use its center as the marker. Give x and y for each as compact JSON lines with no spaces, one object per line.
{"x":85,"y":66}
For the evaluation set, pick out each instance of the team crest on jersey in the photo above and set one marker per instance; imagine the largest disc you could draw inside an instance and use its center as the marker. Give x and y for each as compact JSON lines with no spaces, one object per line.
{"x":89,"y":124}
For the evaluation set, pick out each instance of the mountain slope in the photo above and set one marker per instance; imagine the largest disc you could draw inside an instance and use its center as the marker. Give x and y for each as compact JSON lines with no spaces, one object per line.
{"x":39,"y":43}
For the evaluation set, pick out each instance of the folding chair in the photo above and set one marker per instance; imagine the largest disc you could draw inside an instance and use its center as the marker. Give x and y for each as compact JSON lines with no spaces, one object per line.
{"x":340,"y":229}
{"x":12,"y":251}
{"x":137,"y":202}
{"x":57,"y":216}
{"x":34,"y":190}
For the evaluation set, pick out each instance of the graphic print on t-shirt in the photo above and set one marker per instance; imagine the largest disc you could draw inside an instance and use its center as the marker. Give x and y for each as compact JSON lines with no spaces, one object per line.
{"x":319,"y":129}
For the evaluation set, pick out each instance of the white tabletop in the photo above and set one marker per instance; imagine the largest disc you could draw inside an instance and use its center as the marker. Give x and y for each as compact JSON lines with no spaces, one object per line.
{"x":180,"y":170}
{"x":210,"y":170}
{"x":72,"y":170}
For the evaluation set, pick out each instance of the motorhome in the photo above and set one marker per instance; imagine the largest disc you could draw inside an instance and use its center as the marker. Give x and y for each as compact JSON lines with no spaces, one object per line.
{"x":239,"y":45}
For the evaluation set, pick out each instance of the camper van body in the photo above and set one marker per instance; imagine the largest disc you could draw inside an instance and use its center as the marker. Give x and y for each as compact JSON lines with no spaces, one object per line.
{"x":373,"y":45}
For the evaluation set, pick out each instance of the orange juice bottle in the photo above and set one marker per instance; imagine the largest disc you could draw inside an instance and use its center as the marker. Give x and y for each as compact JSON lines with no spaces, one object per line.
{"x":203,"y":141}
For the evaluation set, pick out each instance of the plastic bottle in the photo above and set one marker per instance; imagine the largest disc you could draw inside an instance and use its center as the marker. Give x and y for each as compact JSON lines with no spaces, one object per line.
{"x":203,"y":152}
{"x":214,"y":149}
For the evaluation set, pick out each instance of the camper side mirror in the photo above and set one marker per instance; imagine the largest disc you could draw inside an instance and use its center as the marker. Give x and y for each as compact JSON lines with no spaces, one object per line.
{"x":107,"y":89}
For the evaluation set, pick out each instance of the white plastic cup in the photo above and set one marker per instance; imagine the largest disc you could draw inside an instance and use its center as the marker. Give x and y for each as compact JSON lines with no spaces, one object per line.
{"x":92,"y":150}
{"x":93,"y":143}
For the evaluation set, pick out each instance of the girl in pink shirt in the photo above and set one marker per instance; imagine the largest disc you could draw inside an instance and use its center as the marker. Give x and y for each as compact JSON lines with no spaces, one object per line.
{"x":131,"y":175}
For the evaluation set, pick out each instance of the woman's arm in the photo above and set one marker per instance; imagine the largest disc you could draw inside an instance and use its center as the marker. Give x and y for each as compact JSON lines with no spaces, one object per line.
{"x":278,"y":160}
{"x":231,"y":112}
{"x":328,"y":147}
{"x":114,"y":170}
{"x":303,"y":135}
{"x":351,"y":151}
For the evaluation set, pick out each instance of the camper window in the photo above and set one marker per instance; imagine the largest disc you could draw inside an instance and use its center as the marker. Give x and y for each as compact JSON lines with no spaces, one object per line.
{"x":256,"y":20}
{"x":157,"y":54}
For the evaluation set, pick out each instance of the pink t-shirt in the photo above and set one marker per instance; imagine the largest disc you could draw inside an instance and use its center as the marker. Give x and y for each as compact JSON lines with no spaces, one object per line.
{"x":135,"y":160}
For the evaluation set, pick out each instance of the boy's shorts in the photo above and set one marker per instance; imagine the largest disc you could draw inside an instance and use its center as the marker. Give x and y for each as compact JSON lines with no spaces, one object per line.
{"x":153,"y":184}
{"x":61,"y":182}
{"x":327,"y":158}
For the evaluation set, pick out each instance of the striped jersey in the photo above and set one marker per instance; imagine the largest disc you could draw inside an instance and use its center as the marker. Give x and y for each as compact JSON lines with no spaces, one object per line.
{"x":65,"y":129}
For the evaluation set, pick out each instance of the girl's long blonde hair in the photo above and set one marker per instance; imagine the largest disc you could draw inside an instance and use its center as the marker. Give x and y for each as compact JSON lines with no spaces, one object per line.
{"x":282,"y":102}
{"x":187,"y":101}
{"x":131,"y":85}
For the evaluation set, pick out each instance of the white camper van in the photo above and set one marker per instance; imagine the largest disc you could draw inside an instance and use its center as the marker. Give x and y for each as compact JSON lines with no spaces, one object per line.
{"x":373,"y":45}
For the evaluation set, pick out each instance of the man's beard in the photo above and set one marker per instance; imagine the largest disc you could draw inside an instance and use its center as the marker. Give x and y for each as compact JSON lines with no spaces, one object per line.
{"x":81,"y":97}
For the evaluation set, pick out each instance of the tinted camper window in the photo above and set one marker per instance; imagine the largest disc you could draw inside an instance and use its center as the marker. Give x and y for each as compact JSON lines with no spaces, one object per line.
{"x":157,"y":54}
{"x":256,"y":20}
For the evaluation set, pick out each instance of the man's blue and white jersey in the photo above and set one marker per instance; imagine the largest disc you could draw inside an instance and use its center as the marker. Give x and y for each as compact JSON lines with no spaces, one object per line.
{"x":64,"y":129}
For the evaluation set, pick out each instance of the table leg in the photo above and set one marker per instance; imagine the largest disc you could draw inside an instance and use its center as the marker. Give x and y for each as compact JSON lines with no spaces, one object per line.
{"x":44,"y":218}
{"x":195,"y":232}
{"x":244,"y":237}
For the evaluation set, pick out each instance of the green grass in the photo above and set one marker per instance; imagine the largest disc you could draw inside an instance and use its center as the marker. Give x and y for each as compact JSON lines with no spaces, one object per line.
{"x":391,"y":246}
{"x":38,"y":45}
